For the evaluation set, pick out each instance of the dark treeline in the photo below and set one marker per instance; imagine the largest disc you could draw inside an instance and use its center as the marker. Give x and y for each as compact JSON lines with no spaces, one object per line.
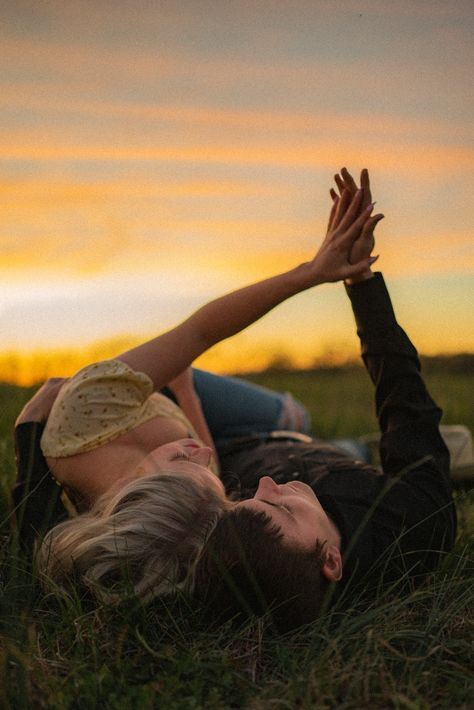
{"x":461,"y":363}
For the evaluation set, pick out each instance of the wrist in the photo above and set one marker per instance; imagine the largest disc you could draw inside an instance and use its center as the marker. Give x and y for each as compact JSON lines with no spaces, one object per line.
{"x":306,"y":276}
{"x":364,"y":276}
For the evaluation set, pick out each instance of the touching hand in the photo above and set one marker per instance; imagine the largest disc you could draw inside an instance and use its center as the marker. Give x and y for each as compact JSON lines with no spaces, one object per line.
{"x":364,"y":244}
{"x":347,"y":223}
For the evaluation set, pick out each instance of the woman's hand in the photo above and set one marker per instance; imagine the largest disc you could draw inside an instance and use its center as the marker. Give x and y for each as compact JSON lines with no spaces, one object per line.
{"x":347,"y":224}
{"x":37,"y":409}
{"x":364,"y":244}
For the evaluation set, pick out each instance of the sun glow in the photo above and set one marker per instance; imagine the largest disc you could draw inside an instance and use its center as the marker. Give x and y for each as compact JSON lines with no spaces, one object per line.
{"x":154,"y":160}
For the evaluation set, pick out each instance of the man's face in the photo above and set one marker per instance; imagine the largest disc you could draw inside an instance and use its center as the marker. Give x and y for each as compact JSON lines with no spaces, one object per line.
{"x":295,"y":509}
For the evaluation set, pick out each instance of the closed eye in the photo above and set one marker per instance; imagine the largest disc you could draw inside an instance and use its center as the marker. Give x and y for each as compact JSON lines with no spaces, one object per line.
{"x":280,"y":506}
{"x":180,"y":455}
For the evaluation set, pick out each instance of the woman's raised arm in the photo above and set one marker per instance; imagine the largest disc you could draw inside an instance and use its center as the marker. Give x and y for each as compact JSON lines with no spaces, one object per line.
{"x":164,"y":357}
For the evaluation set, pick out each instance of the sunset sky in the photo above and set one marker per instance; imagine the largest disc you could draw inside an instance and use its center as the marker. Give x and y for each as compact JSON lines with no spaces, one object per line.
{"x":157,"y":154}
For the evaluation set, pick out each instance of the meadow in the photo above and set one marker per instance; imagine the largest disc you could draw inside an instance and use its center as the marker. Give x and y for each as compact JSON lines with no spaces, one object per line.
{"x":412,"y":652}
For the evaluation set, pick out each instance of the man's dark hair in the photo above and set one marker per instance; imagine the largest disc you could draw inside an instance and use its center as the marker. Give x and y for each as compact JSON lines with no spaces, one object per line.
{"x":245,"y":570}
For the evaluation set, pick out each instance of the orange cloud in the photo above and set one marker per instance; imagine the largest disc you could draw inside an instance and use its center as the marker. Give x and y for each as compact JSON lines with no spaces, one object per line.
{"x":97,"y":240}
{"x":417,"y":254}
{"x":214,"y":117}
{"x":41,"y":191}
{"x":417,"y":159}
{"x":136,"y":66}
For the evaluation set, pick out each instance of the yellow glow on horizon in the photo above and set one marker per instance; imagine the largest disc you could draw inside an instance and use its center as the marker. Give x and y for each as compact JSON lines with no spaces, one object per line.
{"x":26,"y":369}
{"x":239,"y":355}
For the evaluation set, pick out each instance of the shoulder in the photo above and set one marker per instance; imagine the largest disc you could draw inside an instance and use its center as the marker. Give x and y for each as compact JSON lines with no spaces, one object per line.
{"x":101,"y":401}
{"x":107,"y":370}
{"x":105,"y":380}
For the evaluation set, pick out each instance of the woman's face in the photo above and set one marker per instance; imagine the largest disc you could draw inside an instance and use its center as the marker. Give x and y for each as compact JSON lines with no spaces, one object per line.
{"x":183,"y":456}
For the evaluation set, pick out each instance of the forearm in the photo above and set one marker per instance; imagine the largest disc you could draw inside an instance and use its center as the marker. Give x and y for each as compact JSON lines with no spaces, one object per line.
{"x":191,"y":406}
{"x":233,"y":312}
{"x":35,"y":494}
{"x":377,"y":327}
{"x":408,"y":416}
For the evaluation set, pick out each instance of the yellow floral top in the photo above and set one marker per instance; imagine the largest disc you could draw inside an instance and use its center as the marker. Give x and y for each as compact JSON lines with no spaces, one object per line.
{"x":101,"y":402}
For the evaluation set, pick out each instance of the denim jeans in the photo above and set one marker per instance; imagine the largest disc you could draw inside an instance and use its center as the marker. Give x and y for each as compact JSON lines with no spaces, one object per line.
{"x":233,"y":407}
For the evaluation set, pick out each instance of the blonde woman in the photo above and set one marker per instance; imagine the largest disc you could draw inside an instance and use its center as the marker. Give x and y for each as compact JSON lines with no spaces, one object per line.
{"x":142,"y":471}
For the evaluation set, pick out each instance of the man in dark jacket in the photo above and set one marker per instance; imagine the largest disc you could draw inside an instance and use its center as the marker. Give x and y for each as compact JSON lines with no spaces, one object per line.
{"x":310,"y":515}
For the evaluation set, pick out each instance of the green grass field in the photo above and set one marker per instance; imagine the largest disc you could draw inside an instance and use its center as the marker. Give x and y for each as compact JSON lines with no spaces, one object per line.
{"x":413,"y":652}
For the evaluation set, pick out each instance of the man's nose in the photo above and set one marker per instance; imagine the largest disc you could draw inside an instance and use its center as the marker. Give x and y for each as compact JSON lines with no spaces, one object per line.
{"x":267,"y":486}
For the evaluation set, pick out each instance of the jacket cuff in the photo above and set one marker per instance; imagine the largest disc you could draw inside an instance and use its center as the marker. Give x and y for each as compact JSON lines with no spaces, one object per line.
{"x":377,"y":326}
{"x":371,"y":301}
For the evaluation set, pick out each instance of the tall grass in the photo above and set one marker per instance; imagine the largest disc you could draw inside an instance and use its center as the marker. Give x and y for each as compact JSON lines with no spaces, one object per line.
{"x":412,"y":651}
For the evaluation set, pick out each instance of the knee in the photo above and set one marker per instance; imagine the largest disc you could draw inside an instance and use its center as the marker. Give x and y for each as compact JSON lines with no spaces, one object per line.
{"x":294,"y":416}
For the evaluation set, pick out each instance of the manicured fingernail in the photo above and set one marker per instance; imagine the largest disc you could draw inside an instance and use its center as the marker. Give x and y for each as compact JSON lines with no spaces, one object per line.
{"x":373,"y":259}
{"x":370,"y":207}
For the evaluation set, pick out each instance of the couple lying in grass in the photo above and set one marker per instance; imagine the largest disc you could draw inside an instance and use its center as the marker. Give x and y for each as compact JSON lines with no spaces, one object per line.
{"x":177,"y":479}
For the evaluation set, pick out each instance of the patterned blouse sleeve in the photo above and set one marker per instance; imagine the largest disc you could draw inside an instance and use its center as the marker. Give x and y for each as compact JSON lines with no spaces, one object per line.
{"x":100,"y":402}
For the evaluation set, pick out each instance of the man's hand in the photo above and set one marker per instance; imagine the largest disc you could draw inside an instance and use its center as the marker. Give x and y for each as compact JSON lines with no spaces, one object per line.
{"x":364,"y":244}
{"x":39,"y":406}
{"x":346,"y":226}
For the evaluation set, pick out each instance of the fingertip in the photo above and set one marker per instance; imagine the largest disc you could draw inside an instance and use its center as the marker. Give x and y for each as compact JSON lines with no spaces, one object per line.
{"x":373,"y":219}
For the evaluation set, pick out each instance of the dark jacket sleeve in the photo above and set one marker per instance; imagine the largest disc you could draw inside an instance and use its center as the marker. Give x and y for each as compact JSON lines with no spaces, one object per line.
{"x":408,"y":417}
{"x":411,"y":445}
{"x":36,"y":496}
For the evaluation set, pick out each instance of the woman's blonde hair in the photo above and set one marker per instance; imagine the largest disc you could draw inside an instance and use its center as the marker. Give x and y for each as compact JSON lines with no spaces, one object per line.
{"x":141,"y":541}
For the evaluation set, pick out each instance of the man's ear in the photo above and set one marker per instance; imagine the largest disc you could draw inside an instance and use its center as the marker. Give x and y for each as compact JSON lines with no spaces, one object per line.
{"x":332,"y":568}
